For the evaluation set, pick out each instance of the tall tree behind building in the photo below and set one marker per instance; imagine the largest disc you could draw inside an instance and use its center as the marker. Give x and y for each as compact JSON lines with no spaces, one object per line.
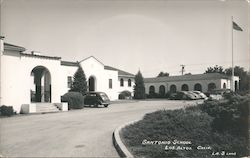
{"x":238,"y":71}
{"x":243,"y":75}
{"x":162,"y":74}
{"x":215,"y":69}
{"x":139,"y":88}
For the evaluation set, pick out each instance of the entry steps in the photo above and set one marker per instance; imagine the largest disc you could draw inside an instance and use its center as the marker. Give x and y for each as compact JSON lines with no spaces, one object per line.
{"x":46,"y":108}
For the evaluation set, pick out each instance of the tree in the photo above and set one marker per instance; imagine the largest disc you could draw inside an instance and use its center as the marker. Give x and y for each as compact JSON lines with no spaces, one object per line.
{"x":162,"y":74}
{"x":139,"y":88}
{"x":79,"y":83}
{"x":215,"y":69}
{"x":243,"y":75}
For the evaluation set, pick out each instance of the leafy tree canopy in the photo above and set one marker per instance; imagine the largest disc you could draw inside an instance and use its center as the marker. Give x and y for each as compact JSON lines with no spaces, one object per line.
{"x":238,"y":71}
{"x":215,"y":69}
{"x":243,"y":75}
{"x":162,"y":74}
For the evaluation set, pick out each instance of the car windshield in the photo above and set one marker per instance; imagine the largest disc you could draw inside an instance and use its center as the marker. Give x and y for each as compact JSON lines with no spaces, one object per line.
{"x":104,"y":96}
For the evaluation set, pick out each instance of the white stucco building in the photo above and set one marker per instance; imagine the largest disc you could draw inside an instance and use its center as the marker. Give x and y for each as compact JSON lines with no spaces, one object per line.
{"x":28,"y":79}
{"x":198,"y":82}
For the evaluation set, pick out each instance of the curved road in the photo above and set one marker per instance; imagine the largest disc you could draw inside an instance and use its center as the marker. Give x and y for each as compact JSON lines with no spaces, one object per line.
{"x":77,"y":133}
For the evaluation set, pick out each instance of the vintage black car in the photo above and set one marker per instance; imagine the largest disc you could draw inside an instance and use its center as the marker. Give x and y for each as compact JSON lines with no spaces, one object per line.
{"x":96,"y":98}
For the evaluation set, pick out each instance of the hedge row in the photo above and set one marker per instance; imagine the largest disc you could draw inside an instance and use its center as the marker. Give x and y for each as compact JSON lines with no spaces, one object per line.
{"x":6,"y":111}
{"x":75,"y":100}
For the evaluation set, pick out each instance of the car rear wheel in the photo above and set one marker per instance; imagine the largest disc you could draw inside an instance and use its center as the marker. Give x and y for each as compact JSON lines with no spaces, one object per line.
{"x":106,"y":105}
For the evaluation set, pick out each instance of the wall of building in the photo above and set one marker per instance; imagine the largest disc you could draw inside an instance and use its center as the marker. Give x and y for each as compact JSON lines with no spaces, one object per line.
{"x":125,"y":84}
{"x":94,"y":68}
{"x":191,"y":84}
{"x":66,"y":72}
{"x":17,"y":82}
{"x":227,"y":82}
{"x":111,"y":92}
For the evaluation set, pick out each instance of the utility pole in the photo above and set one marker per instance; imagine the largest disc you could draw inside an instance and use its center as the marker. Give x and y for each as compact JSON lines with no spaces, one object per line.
{"x":232,"y":77}
{"x":182,"y":69}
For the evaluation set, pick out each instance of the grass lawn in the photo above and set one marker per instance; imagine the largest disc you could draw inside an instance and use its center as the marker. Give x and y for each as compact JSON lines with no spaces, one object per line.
{"x":187,"y":132}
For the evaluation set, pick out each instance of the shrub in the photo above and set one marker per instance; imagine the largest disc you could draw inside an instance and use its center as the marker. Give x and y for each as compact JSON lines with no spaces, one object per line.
{"x":125,"y":95}
{"x":167,"y":95}
{"x":153,"y":95}
{"x":189,"y":124}
{"x":6,"y":110}
{"x":230,"y":115}
{"x":75,"y":100}
{"x":168,"y":125}
{"x":121,"y":96}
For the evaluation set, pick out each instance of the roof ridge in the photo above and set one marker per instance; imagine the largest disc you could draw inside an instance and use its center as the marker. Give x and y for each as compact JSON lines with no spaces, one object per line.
{"x":122,"y":72}
{"x":91,"y":57}
{"x":188,"y":77}
{"x":215,"y":73}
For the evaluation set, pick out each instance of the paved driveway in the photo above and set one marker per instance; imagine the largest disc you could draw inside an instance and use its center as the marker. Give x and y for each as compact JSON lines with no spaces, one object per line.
{"x":77,"y":133}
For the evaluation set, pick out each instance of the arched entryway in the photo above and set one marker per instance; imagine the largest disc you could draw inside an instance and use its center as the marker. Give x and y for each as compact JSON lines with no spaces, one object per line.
{"x":198,"y":87}
{"x":211,"y":86}
{"x":224,"y":86}
{"x":151,"y":89}
{"x":173,"y":88}
{"x":92,"y":83}
{"x":40,"y":90}
{"x":162,"y":90}
{"x":184,"y":87}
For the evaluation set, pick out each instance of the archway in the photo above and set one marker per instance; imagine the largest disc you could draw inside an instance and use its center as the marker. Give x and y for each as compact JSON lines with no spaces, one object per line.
{"x":198,"y":87}
{"x":151,"y":90}
{"x":224,"y":86}
{"x":162,"y":90}
{"x":92,"y":85}
{"x":173,"y":88}
{"x":184,"y":87}
{"x":211,"y":86}
{"x":40,"y":90}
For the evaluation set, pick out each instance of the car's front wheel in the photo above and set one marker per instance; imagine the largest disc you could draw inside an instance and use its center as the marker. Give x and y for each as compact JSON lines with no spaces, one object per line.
{"x":96,"y":104}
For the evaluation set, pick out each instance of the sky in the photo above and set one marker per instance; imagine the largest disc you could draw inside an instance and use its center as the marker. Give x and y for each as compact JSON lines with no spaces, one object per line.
{"x":146,"y":35}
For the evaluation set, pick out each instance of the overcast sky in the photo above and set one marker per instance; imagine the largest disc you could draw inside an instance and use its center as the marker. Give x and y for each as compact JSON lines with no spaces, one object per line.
{"x":150,"y":35}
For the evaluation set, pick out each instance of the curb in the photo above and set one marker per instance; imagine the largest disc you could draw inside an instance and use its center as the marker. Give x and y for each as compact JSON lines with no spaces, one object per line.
{"x":117,"y":142}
